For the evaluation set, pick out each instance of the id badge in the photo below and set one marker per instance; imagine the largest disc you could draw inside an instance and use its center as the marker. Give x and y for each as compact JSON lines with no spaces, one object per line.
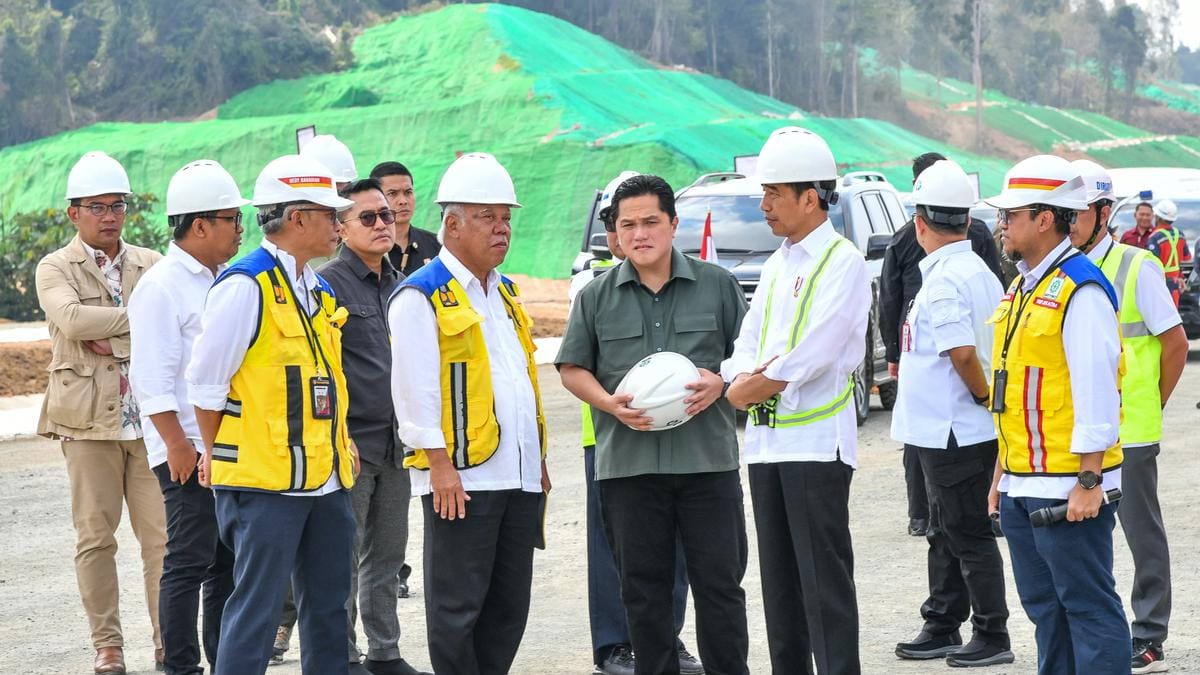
{"x":322,"y":404}
{"x":999,"y":386}
{"x":906,"y":337}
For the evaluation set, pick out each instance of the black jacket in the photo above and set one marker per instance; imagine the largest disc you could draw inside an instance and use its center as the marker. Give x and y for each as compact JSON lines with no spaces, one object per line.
{"x":901,"y":278}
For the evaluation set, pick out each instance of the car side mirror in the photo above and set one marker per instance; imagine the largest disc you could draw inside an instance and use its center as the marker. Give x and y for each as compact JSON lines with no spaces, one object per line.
{"x":877,"y":244}
{"x":598,"y":246}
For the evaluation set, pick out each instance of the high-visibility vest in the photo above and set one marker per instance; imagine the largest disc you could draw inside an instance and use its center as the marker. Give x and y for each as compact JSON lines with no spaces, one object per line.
{"x":782,"y":417}
{"x":1171,"y":265}
{"x":271,"y":437}
{"x":468,"y":413}
{"x":1034,"y":431}
{"x":1141,"y":401}
{"x":587,"y":434}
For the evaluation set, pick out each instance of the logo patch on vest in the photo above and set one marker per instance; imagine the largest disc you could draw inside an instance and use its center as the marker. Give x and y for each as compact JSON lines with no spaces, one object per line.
{"x":1056,"y":286}
{"x":446,"y":297}
{"x":1047,"y":302}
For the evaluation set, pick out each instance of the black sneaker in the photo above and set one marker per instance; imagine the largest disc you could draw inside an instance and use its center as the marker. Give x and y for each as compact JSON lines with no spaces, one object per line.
{"x":918,"y":527}
{"x":1148,"y":657}
{"x":619,"y":662}
{"x":979,"y":653}
{"x":927,"y":646}
{"x":688,"y":664}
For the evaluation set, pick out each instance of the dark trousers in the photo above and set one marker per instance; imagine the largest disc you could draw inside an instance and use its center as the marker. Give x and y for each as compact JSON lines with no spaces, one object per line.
{"x":1142,"y":521}
{"x":196,"y":563}
{"x":478,"y":573}
{"x":646,"y":516}
{"x":914,"y":485}
{"x":1065,"y":579}
{"x":966,"y":572}
{"x":380,"y":497}
{"x":802,"y":515}
{"x":606,"y":614}
{"x":275,"y":538}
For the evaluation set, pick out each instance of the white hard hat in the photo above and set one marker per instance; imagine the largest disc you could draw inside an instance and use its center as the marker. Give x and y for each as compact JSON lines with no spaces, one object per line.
{"x":476,"y":178}
{"x":96,"y":174}
{"x":200,"y":186}
{"x":795,"y":155}
{"x":1096,"y":180}
{"x":328,"y":150}
{"x":1042,"y":179}
{"x":657,"y":386}
{"x":294,"y":178}
{"x":1166,"y":210}
{"x":944,"y":184}
{"x":607,"y":195}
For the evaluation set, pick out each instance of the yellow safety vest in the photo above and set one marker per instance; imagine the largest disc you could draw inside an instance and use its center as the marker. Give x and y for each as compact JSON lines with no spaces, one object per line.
{"x":468,"y":412}
{"x":1141,"y":401}
{"x":274,"y":435}
{"x":587,"y":434}
{"x":1171,"y":266}
{"x":1035,"y":428}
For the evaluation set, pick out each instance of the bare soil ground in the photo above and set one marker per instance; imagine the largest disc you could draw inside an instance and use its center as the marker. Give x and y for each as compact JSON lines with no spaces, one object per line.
{"x":23,"y":367}
{"x":43,"y":629}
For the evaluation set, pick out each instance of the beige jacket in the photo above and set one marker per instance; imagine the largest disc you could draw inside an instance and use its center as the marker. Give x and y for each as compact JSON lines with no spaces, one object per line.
{"x":83,"y":399}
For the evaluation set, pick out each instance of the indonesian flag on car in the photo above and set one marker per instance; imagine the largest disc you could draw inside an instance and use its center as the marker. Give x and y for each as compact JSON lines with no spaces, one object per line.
{"x":708,"y":248}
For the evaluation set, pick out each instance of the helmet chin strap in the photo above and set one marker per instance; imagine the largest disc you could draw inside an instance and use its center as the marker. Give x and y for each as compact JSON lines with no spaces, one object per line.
{"x":1087,"y":245}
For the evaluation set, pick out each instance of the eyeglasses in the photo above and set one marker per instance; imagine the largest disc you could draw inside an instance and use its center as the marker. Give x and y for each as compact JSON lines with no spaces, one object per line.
{"x":367,"y":218}
{"x":1003,"y":214}
{"x":237,"y":219}
{"x":100,"y":210}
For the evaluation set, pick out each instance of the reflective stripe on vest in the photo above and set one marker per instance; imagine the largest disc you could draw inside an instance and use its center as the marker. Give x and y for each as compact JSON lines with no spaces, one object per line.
{"x":1172,"y":263}
{"x":1141,"y":402}
{"x":776,"y":417}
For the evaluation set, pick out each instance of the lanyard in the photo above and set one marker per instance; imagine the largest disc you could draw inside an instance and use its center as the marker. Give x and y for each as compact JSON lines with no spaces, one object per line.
{"x":1011,"y":326}
{"x":310,"y":331}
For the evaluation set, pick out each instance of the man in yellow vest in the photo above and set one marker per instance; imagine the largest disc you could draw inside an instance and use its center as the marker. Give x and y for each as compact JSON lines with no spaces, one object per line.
{"x":266,"y":380}
{"x":1156,"y":349}
{"x":465,"y":388}
{"x":1055,"y":397}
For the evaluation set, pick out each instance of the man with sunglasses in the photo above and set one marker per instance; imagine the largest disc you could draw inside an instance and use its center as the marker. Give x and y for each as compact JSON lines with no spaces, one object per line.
{"x":204,"y":211}
{"x":83,"y":288}
{"x":270,"y":395}
{"x":1055,"y":399}
{"x":363,"y":278}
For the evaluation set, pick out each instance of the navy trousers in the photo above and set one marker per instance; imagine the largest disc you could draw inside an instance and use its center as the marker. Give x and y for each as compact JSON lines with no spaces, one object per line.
{"x":1064,"y":575}
{"x":605,"y":611}
{"x":274,"y":538}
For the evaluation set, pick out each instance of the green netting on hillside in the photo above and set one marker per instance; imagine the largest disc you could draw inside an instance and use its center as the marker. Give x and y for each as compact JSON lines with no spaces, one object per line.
{"x":1044,"y":127}
{"x":1181,"y":151}
{"x":1178,"y":95}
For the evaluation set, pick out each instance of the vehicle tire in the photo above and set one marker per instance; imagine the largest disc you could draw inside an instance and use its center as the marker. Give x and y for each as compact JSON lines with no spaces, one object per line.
{"x":863,"y":377}
{"x":887,"y":394}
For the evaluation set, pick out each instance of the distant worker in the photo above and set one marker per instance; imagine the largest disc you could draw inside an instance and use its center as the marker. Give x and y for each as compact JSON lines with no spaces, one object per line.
{"x":1171,"y":247}
{"x":204,"y":211}
{"x":1056,"y":404}
{"x":898,"y":285}
{"x":612,"y":648}
{"x":90,"y":408}
{"x":1138,"y":236}
{"x":1156,"y":350}
{"x":414,"y":246}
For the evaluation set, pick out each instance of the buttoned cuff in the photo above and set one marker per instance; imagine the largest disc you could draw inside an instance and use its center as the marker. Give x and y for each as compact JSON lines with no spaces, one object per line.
{"x":1091,"y":438}
{"x":734,"y":366}
{"x":424,"y":438}
{"x":158,"y":404}
{"x":208,"y":396}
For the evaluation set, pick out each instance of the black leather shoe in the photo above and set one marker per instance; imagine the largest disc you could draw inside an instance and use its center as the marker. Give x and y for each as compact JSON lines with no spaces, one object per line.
{"x":979,"y":653}
{"x":619,"y":662}
{"x":688,"y":664}
{"x":917,"y":527}
{"x":392,"y":667}
{"x":927,"y":646}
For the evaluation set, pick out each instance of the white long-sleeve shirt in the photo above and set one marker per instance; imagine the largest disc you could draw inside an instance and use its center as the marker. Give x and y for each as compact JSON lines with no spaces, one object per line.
{"x":417,"y":394}
{"x":818,"y":368}
{"x":227,"y":326}
{"x":1091,"y":340}
{"x":164,"y":320}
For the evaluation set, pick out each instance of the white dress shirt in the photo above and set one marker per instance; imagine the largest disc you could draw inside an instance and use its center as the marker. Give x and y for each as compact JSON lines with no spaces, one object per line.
{"x":417,"y":394}
{"x":228,"y":325}
{"x":958,"y":294}
{"x":1092,"y":344}
{"x":1153,"y":299}
{"x":817,"y":369}
{"x":164,"y":320}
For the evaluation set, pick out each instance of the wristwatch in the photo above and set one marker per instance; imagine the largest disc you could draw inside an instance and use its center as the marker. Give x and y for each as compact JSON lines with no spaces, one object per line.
{"x":725,"y":389}
{"x":981,"y":400}
{"x":1088,"y":480}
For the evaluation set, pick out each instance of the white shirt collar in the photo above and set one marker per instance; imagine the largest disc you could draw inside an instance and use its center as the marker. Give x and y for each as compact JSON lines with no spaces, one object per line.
{"x":1101,"y":248}
{"x":1032,"y":276}
{"x":464,"y":275}
{"x":942,"y":253}
{"x":288,"y":262}
{"x":813,"y":243}
{"x":189,"y":262}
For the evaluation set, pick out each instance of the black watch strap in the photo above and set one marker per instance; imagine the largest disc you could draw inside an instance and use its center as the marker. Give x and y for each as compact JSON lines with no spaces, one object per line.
{"x":1089,"y":480}
{"x":981,"y":400}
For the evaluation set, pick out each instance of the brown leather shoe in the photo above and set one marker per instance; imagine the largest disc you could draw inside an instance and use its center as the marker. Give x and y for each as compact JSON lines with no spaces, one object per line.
{"x":109,"y":661}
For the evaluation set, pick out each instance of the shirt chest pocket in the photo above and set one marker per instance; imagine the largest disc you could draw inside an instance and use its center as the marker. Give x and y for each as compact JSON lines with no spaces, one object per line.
{"x":621,"y":346}
{"x":363,"y":326}
{"x":294,"y":345}
{"x":697,"y":337}
{"x":457,"y":340}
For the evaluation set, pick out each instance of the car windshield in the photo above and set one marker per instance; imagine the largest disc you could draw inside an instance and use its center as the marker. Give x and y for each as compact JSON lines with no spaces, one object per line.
{"x":737,"y":223}
{"x":1188,"y":221}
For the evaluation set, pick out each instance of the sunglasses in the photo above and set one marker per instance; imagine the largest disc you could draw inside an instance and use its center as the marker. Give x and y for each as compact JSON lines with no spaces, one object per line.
{"x":367,"y":218}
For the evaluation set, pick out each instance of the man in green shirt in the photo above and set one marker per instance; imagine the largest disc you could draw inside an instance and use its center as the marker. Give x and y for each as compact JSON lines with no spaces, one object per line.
{"x":681,"y":482}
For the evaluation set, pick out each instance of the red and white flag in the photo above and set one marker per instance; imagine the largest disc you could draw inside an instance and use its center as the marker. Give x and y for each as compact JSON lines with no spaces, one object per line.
{"x":708,"y":248}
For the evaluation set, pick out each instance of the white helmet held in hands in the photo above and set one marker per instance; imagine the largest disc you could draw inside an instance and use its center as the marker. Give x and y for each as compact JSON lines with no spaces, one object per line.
{"x":477,"y":178}
{"x":96,"y":174}
{"x":328,"y":150}
{"x":1166,"y":210}
{"x":657,"y":386}
{"x":944,"y":184}
{"x":1096,"y":180}
{"x":202,"y":186}
{"x":1042,"y":179}
{"x":294,"y":178}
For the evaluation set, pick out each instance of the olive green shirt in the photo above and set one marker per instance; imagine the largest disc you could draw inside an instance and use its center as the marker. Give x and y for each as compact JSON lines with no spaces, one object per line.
{"x":616,"y":321}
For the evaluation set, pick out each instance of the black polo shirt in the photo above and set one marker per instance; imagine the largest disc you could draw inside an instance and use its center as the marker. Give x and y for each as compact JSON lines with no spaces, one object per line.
{"x":367,"y":353}
{"x":422,"y":247}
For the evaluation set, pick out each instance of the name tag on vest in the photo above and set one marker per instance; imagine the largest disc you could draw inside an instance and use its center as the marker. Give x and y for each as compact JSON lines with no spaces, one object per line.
{"x":1047,"y":302}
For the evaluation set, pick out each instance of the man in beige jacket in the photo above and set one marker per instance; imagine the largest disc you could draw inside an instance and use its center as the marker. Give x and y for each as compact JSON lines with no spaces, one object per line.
{"x":89,"y":404}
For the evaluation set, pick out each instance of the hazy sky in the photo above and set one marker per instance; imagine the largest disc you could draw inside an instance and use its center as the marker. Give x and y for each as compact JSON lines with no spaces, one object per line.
{"x":1187,"y":28}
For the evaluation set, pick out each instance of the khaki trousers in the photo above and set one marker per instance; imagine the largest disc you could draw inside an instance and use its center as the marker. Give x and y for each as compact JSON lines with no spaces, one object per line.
{"x":103,"y":473}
